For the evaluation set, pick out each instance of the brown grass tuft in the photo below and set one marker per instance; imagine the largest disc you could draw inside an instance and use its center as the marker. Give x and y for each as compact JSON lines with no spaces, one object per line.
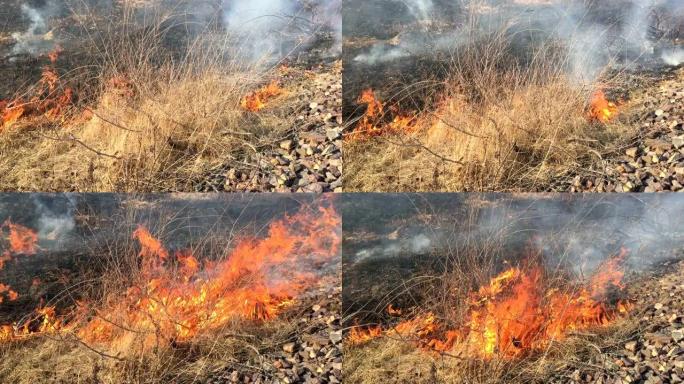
{"x":502,"y":123}
{"x":159,"y":108}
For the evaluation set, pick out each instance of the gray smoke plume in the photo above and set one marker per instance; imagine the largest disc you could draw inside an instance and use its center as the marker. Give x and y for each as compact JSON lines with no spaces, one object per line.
{"x":593,"y":34}
{"x":55,"y":223}
{"x":673,"y":56}
{"x":270,"y":26}
{"x":420,"y":9}
{"x":37,"y":39}
{"x":576,"y":233}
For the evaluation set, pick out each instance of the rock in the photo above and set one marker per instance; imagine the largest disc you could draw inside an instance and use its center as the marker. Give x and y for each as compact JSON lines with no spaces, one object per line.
{"x":289,"y":347}
{"x":631,"y":346}
{"x":632,"y":152}
{"x":336,"y":337}
{"x":286,"y":144}
{"x":678,"y":141}
{"x":678,"y":335}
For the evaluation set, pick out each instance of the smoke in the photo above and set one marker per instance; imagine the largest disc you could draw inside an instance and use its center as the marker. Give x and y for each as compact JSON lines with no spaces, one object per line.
{"x":55,"y":217}
{"x":673,"y":56}
{"x":265,"y":29}
{"x":410,"y":245}
{"x":271,"y":26}
{"x":381,"y":53}
{"x":37,"y":39}
{"x":592,"y":34}
{"x":574,"y":233}
{"x":420,"y":9}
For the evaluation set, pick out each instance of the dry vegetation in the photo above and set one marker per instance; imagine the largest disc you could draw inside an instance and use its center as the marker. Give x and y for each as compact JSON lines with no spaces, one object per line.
{"x":445,"y":287}
{"x":498,"y":125}
{"x":148,"y":118}
{"x":398,"y":361}
{"x":110,"y":269}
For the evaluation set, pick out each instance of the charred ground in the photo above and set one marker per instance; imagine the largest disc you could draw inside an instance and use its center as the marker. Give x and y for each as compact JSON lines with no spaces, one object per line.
{"x":152,"y":98}
{"x":445,"y":77}
{"x":85,"y":252}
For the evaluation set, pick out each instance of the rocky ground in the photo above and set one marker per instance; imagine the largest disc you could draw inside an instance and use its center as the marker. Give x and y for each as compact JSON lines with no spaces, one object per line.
{"x":310,"y":159}
{"x":654,"y":354}
{"x":653,"y":161}
{"x":311,"y":357}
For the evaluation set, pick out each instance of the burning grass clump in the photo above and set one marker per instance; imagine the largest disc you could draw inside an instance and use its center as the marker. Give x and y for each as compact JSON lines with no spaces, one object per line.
{"x":499,"y":124}
{"x":523,"y":324}
{"x":146,"y":313}
{"x":153,"y":108}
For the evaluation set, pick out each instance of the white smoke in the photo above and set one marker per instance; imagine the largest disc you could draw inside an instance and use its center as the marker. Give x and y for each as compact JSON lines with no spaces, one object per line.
{"x":382,"y":53}
{"x":55,"y":224}
{"x":673,"y":56}
{"x":409,"y":245}
{"x":268,"y":25}
{"x":37,"y":39}
{"x":575,"y":234}
{"x":420,"y":9}
{"x":590,"y":41}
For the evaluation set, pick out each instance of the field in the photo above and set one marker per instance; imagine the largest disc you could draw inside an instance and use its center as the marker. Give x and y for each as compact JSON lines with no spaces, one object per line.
{"x":529,"y":96}
{"x":182,"y":289}
{"x":169,"y":96}
{"x":502,"y":288}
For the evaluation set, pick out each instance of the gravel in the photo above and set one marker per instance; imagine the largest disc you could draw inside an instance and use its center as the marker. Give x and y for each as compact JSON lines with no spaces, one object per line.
{"x":655,"y":352}
{"x":653,"y":161}
{"x":309,"y":159}
{"x":311,"y":357}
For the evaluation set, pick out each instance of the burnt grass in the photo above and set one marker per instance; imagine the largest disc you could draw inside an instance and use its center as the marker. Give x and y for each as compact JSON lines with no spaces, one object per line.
{"x":365,"y":23}
{"x":312,"y":122}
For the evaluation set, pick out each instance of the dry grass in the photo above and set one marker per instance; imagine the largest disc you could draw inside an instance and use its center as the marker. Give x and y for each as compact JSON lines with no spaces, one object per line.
{"x":50,"y":360}
{"x":462,"y":262}
{"x":398,"y":361}
{"x":113,"y":266}
{"x":501,"y":124}
{"x":170,"y":118}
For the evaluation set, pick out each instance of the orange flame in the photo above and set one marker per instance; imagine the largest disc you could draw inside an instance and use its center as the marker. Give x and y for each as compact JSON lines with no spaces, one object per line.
{"x":178,"y":298}
{"x":360,"y":335}
{"x":47,"y":100}
{"x":22,"y":240}
{"x":514,"y":314}
{"x":372,"y":124}
{"x":11,"y":295}
{"x":54,"y":55}
{"x":600,"y":109}
{"x":11,"y":112}
{"x":256,"y":100}
{"x":255,"y":281}
{"x":393,"y":311}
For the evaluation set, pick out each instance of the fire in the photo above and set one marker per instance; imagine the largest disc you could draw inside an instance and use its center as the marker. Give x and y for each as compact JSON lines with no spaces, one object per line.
{"x":10,"y":113}
{"x":181,"y":298}
{"x":360,"y":335}
{"x":515,"y":314}
{"x":6,"y":289}
{"x":393,"y":311}
{"x":600,"y":109}
{"x":256,"y":101}
{"x":54,"y":55}
{"x":177,"y":297}
{"x":47,"y":99}
{"x":373,"y":123}
{"x":22,"y":241}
